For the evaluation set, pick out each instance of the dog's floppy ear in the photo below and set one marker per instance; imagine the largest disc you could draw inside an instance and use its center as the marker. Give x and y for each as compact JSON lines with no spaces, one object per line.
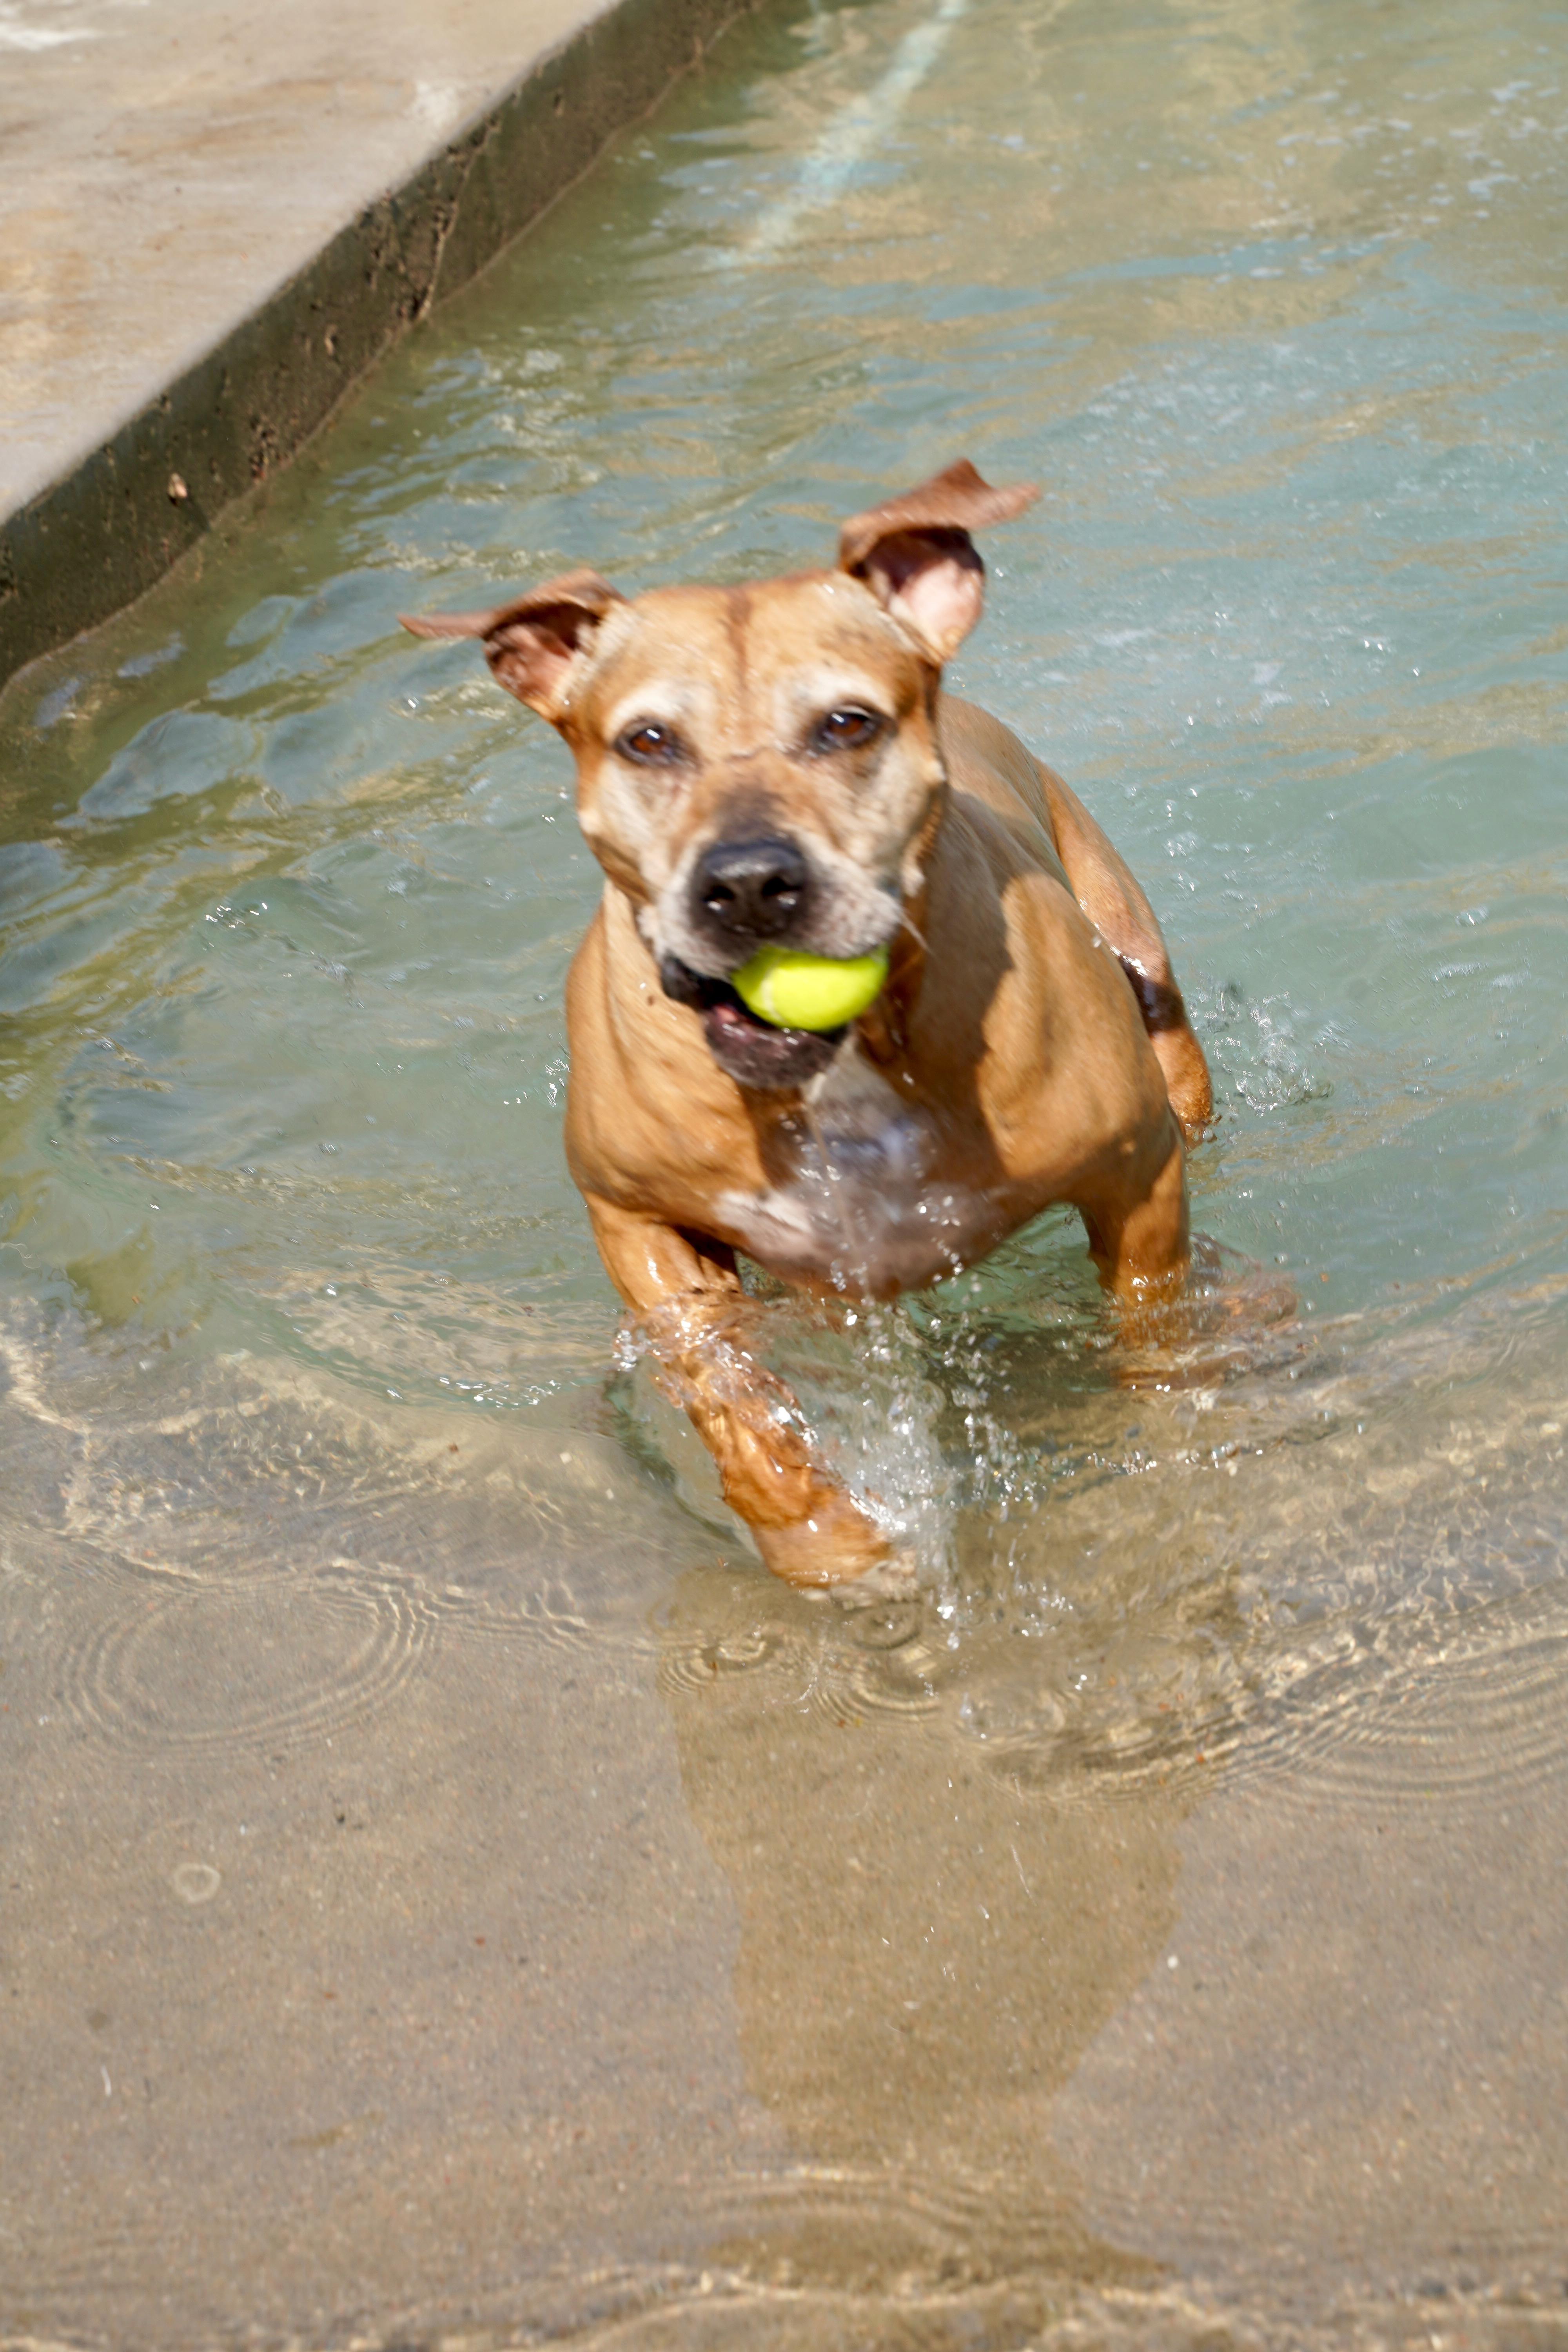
{"x":531,"y":643}
{"x":916,"y":556}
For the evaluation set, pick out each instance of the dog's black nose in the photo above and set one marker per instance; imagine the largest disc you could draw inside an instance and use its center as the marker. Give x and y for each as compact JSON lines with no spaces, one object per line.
{"x":752,"y":889}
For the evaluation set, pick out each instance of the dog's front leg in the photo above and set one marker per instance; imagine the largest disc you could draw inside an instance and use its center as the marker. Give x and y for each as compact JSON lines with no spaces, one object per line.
{"x":689,"y":1303}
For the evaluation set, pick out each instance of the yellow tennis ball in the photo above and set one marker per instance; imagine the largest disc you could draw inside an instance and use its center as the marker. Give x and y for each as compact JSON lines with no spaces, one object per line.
{"x":793,"y":990}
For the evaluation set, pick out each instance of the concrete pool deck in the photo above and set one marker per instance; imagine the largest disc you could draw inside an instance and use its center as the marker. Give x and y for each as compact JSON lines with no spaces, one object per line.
{"x":212,"y":221}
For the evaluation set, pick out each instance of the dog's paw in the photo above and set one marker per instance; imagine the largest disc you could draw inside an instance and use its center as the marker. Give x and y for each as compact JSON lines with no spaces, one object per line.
{"x":836,"y":1545}
{"x":893,"y":1578}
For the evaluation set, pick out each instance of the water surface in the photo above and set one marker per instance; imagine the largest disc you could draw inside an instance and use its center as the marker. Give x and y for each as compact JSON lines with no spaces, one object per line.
{"x":450,"y":1892}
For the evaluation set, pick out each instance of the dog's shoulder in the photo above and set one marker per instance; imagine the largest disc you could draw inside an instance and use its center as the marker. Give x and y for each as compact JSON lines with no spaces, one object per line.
{"x":985,"y":757}
{"x":986,"y":762}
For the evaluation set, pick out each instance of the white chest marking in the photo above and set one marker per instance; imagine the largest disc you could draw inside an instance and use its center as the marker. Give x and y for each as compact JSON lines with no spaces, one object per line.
{"x":859,"y":1206}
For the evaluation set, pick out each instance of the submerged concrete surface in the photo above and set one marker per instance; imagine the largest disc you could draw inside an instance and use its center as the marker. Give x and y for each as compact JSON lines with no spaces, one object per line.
{"x":213,"y":218}
{"x":445,"y":1903}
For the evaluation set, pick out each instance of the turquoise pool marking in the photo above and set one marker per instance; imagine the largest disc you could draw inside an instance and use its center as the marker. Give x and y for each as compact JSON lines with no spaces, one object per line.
{"x":862,"y":127}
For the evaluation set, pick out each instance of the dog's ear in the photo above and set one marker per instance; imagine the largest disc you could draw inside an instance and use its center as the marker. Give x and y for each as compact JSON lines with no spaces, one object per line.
{"x":533,"y":643}
{"x":916,"y":556}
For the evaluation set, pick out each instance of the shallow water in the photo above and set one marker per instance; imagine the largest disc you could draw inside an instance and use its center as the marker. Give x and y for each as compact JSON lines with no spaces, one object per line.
{"x":450,"y":1892}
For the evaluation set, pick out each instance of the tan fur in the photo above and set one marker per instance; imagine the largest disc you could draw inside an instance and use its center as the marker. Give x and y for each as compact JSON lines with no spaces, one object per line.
{"x":1009,"y":1063}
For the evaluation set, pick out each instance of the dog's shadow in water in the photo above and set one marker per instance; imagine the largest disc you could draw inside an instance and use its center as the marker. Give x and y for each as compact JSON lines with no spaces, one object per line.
{"x":928,"y":1943}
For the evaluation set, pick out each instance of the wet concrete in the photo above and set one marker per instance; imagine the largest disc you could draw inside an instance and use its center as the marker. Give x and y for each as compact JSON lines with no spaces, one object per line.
{"x":212,"y":220}
{"x":428,"y":1921}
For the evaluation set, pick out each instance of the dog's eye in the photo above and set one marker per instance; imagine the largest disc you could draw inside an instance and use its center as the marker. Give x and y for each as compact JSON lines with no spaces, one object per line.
{"x":648,"y":743}
{"x":846,"y":729}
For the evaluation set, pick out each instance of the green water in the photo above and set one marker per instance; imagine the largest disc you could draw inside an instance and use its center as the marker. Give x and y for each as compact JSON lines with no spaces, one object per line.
{"x":1159,"y":1926}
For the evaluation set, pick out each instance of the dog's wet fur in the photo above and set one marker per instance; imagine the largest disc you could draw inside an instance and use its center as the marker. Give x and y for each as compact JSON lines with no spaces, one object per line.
{"x":778,"y":762}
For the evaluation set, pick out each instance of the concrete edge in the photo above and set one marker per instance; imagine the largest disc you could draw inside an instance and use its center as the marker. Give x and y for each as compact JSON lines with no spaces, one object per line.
{"x":103,"y":534}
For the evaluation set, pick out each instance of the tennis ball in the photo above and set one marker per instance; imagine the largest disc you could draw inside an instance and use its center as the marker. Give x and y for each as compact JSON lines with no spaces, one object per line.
{"x":793,"y":990}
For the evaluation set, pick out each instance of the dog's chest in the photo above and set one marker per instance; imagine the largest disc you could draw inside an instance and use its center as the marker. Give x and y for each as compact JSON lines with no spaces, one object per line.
{"x":859,"y":1197}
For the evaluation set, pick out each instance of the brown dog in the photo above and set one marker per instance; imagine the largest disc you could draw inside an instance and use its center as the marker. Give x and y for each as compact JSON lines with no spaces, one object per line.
{"x":778,"y":762}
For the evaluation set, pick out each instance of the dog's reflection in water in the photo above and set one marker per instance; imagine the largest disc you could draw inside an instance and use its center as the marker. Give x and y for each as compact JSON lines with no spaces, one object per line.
{"x":926,"y":1946}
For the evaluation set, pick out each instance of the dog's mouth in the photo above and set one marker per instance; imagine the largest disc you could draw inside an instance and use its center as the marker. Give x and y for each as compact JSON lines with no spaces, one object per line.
{"x":753,"y":1052}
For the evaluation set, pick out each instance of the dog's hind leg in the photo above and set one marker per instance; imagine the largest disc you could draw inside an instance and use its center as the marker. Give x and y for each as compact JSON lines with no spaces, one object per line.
{"x":1109,"y":894}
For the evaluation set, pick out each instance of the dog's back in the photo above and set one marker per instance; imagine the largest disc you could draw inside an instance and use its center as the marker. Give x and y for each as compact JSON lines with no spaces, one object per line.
{"x":986,"y":760}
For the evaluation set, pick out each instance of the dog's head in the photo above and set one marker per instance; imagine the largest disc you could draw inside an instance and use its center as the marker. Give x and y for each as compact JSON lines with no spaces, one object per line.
{"x":758,"y":764}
